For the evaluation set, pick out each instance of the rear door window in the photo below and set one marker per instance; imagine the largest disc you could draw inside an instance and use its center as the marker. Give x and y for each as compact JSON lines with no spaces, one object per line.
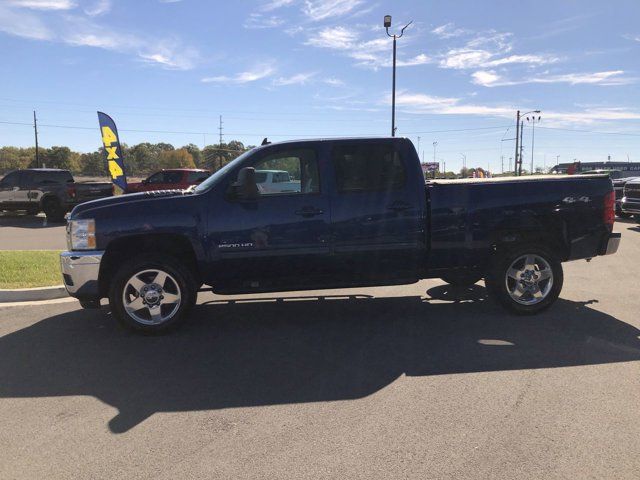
{"x":197,"y":177}
{"x":367,"y":168}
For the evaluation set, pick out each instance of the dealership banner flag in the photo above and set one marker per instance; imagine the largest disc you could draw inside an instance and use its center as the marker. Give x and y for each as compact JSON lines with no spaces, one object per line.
{"x":113,"y":152}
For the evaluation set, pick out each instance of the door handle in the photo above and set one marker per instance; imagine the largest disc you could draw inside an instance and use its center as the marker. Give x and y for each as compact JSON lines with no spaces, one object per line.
{"x":309,"y":212}
{"x":399,"y":206}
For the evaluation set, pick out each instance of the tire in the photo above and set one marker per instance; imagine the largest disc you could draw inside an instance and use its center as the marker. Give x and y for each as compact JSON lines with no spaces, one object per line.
{"x":135,"y":283}
{"x":465,"y":279}
{"x":522,"y":290}
{"x":53,"y":210}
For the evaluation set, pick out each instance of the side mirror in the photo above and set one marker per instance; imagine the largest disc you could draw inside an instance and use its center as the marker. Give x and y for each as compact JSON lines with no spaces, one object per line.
{"x":245,"y":188}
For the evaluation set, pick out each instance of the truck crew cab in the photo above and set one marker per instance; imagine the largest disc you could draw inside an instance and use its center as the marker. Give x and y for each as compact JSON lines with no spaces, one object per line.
{"x":360,"y":215}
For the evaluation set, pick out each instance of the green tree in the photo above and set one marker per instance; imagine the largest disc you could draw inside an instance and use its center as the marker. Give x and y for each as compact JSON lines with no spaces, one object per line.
{"x":176,"y":159}
{"x":195,"y":153}
{"x":93,"y":164}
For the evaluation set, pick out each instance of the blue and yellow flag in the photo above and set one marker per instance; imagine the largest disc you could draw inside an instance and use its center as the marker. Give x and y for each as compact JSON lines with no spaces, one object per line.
{"x":113,"y":152}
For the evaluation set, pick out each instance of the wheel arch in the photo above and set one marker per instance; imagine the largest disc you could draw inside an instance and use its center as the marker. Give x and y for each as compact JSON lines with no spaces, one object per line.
{"x":549,"y":233}
{"x":125,"y":248}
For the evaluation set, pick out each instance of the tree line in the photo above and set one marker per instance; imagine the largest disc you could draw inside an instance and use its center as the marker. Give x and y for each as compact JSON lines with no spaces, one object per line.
{"x":140,"y":160}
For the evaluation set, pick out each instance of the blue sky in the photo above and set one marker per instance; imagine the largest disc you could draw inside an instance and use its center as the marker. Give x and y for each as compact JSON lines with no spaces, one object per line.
{"x":294,"y":68}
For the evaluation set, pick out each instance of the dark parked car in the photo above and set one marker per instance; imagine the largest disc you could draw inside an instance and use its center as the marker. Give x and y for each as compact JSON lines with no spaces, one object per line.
{"x":170,"y":179}
{"x":619,"y":181}
{"x":47,"y":190}
{"x":359,"y":215}
{"x":631,"y":199}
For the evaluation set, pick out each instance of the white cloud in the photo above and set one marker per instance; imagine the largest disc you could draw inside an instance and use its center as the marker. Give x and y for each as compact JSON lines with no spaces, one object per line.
{"x":322,"y":9}
{"x":635,"y":38}
{"x":99,"y":7}
{"x":275,"y":4}
{"x":335,"y":38}
{"x":43,"y":4}
{"x":334,"y":82}
{"x":258,"y":21}
{"x":368,"y":53}
{"x":81,"y":31}
{"x":257,"y":73}
{"x":614,"y":77}
{"x":448,"y":30}
{"x":490,"y":49}
{"x":298,"y":79}
{"x":418,"y":103}
{"x":485,"y":78}
{"x":23,"y":24}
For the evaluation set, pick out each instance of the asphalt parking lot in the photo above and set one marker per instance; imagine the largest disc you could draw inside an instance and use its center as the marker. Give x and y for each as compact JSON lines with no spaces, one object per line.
{"x":414,"y":381}
{"x":30,"y":232}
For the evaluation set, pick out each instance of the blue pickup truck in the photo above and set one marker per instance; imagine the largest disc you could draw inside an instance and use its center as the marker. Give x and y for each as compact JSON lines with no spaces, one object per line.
{"x":356,"y":212}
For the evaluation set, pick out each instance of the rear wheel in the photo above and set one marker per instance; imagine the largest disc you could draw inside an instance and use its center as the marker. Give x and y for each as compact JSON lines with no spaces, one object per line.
{"x":152,"y":295}
{"x":525,"y":280}
{"x":53,"y":210}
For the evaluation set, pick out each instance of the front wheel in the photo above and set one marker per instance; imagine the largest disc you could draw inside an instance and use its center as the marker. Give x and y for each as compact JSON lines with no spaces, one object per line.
{"x":525,"y":280}
{"x":152,"y":295}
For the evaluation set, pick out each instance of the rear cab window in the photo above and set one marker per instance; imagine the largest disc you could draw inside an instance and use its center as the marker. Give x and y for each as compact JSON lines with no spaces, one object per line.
{"x":368,"y":167}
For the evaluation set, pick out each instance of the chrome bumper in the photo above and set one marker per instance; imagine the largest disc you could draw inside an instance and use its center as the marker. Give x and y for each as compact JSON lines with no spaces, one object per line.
{"x":613,"y":242}
{"x":80,"y":272}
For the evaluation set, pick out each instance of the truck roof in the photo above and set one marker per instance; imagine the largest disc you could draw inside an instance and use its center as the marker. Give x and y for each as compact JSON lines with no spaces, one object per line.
{"x":184,"y":170}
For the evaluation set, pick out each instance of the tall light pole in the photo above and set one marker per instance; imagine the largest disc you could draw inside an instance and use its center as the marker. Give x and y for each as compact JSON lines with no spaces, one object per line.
{"x":464,"y":160}
{"x":533,"y":134}
{"x":387,"y":25}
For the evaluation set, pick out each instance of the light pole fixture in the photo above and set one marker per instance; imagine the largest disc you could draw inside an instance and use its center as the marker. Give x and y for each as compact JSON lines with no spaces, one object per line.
{"x":533,"y":134}
{"x":464,"y":160}
{"x":387,"y":25}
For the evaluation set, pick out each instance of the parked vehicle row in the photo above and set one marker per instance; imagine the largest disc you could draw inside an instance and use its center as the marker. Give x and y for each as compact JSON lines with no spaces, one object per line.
{"x":360,"y":215}
{"x":47,"y":190}
{"x":619,"y":179}
{"x":630,"y":202}
{"x":54,"y":191}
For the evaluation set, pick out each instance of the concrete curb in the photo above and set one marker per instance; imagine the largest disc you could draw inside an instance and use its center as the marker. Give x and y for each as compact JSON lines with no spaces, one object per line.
{"x":32,"y":294}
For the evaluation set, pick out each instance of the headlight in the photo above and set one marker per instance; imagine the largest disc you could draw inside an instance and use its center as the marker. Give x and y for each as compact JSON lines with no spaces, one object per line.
{"x":82,"y":234}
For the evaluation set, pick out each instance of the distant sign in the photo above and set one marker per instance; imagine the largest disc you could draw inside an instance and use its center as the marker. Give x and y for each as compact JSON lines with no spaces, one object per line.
{"x":430,"y":167}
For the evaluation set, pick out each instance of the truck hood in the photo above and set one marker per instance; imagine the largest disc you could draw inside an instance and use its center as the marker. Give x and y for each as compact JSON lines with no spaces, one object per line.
{"x":83,"y":210}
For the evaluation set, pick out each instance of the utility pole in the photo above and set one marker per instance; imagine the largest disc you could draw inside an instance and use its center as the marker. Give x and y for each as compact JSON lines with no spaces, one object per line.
{"x":517,"y":140}
{"x":418,"y":143}
{"x":35,"y":129}
{"x":387,"y":24}
{"x":220,"y":145}
{"x":521,"y":148}
{"x":435,"y":144}
{"x":557,"y":160}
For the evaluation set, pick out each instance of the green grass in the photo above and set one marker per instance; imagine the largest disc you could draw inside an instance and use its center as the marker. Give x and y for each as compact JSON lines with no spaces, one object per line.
{"x":29,"y":268}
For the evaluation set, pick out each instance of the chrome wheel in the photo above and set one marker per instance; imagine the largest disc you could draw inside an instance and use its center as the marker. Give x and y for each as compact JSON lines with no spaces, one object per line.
{"x":529,"y":279}
{"x":151,"y":297}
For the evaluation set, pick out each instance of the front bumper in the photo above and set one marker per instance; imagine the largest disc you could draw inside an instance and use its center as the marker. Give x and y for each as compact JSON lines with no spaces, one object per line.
{"x":80,"y":271}
{"x":630,"y":205}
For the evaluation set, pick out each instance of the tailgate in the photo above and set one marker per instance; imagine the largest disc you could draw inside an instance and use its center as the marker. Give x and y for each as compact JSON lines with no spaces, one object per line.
{"x":92,"y":191}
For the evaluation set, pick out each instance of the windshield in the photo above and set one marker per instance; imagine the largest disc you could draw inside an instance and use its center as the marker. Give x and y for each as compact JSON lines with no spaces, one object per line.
{"x":213,"y":179}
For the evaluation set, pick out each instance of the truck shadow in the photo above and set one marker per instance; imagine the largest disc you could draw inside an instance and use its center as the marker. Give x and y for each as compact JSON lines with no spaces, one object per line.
{"x":309,"y":349}
{"x":9,"y":219}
